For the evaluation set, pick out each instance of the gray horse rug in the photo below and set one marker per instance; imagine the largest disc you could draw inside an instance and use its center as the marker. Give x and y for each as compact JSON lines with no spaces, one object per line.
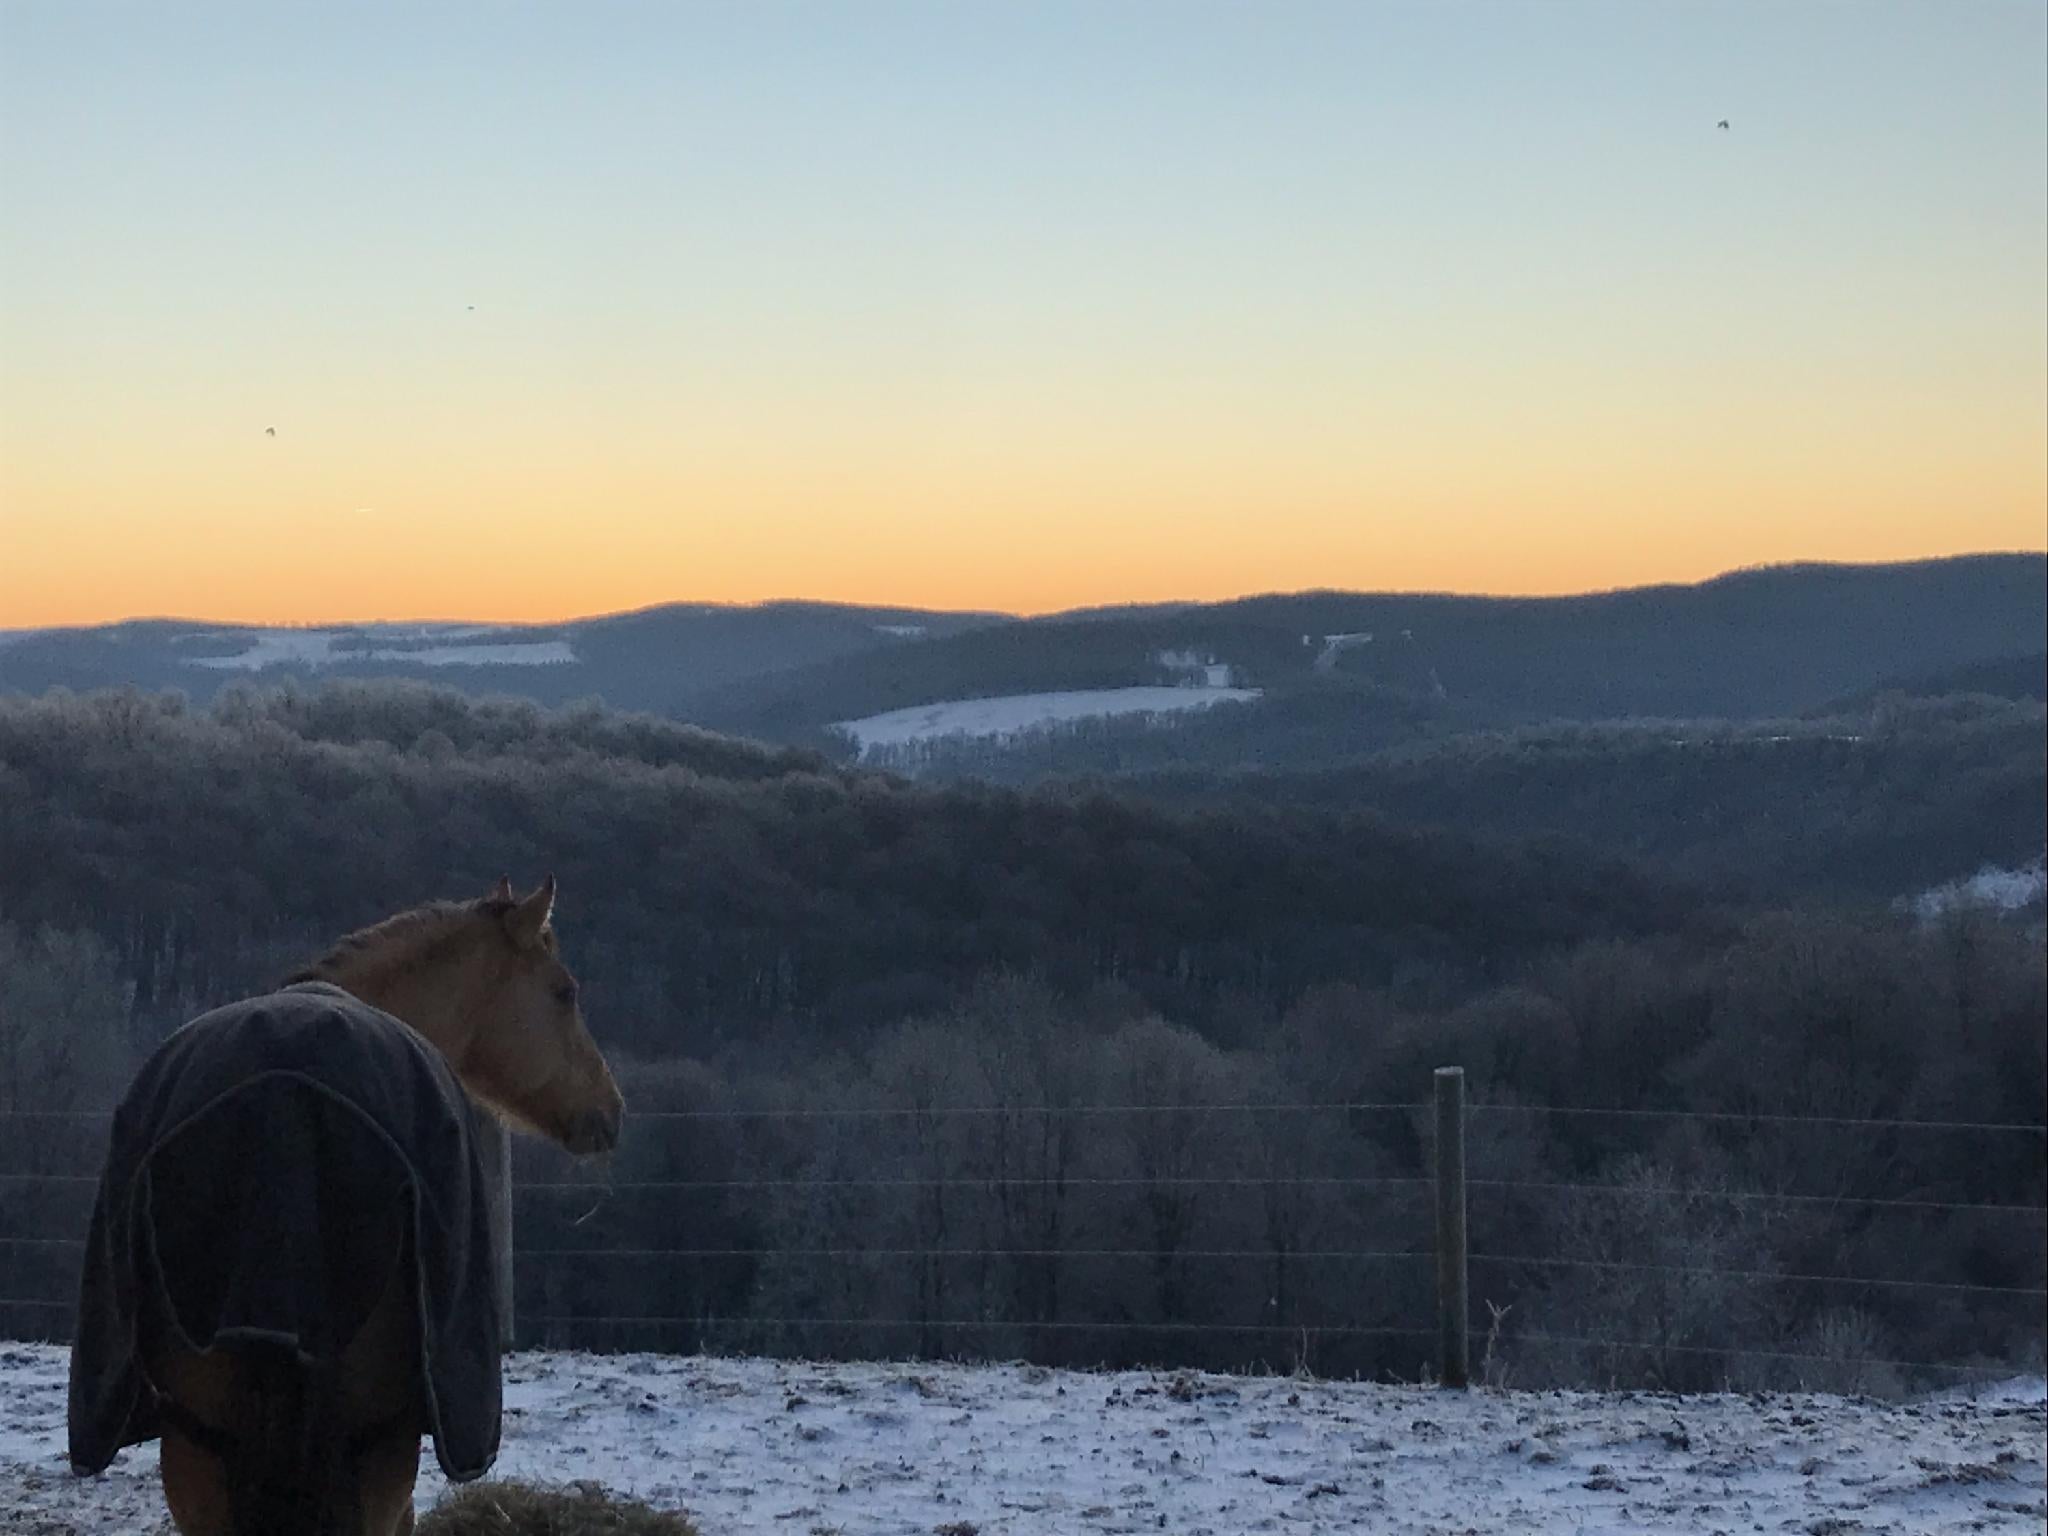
{"x":252,"y":1179}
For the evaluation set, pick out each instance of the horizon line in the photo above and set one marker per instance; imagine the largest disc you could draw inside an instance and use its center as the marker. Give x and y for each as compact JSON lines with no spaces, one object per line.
{"x":1083,"y":611}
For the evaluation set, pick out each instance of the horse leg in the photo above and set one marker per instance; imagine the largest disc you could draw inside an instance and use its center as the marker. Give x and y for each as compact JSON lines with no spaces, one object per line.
{"x":194,"y":1480}
{"x":386,"y":1476}
{"x":195,"y":1488}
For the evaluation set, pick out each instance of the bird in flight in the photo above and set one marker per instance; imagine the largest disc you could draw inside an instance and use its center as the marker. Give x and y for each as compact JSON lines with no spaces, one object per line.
{"x":270,"y":431}
{"x":1722,"y":124}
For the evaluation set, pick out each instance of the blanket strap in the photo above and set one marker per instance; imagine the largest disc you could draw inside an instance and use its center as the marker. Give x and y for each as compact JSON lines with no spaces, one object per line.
{"x":217,"y":1443}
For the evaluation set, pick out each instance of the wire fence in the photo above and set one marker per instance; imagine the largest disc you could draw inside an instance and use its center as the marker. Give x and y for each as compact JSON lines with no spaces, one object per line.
{"x":1239,"y":1234}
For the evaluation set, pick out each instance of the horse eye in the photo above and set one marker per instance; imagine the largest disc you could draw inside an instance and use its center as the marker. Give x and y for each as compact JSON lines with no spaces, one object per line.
{"x":565,"y":994}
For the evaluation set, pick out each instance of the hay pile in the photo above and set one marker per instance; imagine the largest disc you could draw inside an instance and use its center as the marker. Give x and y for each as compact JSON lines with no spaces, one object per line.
{"x":522,"y":1509}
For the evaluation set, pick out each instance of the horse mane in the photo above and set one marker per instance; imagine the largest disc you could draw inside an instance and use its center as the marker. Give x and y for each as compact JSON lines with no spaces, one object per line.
{"x":407,"y":940}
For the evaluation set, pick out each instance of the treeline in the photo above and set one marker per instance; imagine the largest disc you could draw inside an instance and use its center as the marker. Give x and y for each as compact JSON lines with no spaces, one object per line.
{"x":1869,"y":806}
{"x":713,"y":889}
{"x":1900,"y":795}
{"x":1312,"y":725}
{"x":1019,"y":1176}
{"x":1080,"y":1181}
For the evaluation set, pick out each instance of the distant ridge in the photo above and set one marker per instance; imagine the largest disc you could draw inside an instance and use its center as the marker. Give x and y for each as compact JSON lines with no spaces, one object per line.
{"x":1751,"y":643}
{"x":1734,"y":574}
{"x":1748,"y":644}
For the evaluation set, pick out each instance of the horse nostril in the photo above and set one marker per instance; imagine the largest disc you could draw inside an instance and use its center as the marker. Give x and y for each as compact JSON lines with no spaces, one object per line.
{"x":597,"y":1130}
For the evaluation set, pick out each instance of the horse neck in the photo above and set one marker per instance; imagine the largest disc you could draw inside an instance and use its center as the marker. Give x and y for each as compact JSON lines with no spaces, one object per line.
{"x":443,"y":1004}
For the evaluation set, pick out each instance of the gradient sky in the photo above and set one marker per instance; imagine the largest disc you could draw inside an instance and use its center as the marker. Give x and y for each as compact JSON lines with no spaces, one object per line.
{"x":1017,"y":306}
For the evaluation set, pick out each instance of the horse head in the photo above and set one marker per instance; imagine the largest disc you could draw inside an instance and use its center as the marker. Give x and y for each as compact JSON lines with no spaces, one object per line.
{"x":485,"y":982}
{"x":527,"y":1053}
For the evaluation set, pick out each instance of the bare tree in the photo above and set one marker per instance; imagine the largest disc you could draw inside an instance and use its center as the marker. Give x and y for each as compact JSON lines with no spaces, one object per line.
{"x":1174,"y":1142}
{"x":63,"y":1021}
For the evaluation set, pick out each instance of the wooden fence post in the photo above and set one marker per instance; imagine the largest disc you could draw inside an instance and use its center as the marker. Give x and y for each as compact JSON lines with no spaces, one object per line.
{"x":494,"y":1151}
{"x":1451,"y":1307}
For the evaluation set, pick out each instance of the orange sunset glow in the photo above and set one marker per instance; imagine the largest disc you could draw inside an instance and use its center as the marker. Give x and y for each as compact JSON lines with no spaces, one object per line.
{"x":553,"y":330}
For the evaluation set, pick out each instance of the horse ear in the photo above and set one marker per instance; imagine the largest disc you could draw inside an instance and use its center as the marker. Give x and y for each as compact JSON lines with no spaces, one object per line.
{"x":502,"y":891}
{"x":526,"y":920}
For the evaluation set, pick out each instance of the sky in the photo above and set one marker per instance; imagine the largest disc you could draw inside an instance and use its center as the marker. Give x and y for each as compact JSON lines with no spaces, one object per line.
{"x":564,"y":309}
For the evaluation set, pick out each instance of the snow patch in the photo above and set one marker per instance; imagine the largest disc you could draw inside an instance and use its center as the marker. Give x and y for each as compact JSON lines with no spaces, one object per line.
{"x":1999,"y":890}
{"x":1010,"y":1450}
{"x":903,"y":631}
{"x":1336,"y":645}
{"x":1015,"y":714}
{"x":277,"y":648}
{"x":315,"y":648}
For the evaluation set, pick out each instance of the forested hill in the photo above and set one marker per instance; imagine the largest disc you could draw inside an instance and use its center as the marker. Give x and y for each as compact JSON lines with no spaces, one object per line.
{"x":639,"y":660}
{"x":1339,"y":672}
{"x":1878,"y":802}
{"x":710,"y":887}
{"x":1752,"y":644}
{"x":952,"y":988}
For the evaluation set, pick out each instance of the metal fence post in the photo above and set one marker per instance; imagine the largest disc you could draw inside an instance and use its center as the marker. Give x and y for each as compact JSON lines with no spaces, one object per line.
{"x":1451,"y":1307}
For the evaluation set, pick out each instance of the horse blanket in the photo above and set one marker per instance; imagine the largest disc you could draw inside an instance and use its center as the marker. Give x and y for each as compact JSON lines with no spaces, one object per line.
{"x":251,"y":1165}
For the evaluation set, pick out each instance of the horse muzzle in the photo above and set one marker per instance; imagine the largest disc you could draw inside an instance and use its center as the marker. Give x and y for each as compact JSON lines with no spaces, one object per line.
{"x":595,"y":1131}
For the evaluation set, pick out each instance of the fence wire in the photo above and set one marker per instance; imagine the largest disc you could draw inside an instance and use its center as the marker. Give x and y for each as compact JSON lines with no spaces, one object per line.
{"x":1758,"y":1117}
{"x":598,"y":1256}
{"x":1236,"y":1106}
{"x":1783,"y":1277}
{"x":988,"y":1325}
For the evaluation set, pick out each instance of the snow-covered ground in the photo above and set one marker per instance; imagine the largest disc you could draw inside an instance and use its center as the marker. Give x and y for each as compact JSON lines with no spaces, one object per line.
{"x":768,"y":1446}
{"x":1336,"y":645}
{"x":1014,"y":714}
{"x":435,"y":646}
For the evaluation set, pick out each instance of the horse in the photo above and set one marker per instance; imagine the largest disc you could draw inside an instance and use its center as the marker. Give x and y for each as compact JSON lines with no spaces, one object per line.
{"x":290,"y":1276}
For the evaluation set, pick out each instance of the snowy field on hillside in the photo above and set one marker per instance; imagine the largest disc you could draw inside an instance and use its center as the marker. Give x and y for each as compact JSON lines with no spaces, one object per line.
{"x":433,"y":645}
{"x":1016,"y":713}
{"x":760,"y":1446}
